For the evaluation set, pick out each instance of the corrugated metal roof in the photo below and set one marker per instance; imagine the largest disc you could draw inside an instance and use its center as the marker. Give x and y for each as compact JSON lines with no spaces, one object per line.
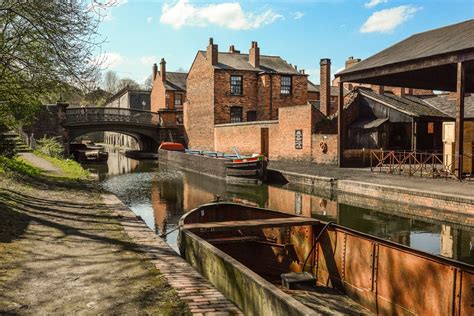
{"x":237,"y":61}
{"x":444,"y":40}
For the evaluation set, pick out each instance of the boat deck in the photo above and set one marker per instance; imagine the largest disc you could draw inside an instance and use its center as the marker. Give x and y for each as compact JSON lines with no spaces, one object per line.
{"x":327,"y":301}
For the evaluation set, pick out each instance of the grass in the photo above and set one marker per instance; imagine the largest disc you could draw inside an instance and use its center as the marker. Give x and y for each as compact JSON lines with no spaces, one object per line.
{"x":70,"y":168}
{"x":18,"y":166}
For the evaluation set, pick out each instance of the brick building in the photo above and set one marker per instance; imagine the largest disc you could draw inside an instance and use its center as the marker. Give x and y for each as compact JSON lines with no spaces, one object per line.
{"x":168,"y":94}
{"x":126,"y":98}
{"x":232,"y":87}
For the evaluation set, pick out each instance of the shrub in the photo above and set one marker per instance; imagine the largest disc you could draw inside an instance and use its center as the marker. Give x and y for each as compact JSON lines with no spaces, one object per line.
{"x":50,"y":146}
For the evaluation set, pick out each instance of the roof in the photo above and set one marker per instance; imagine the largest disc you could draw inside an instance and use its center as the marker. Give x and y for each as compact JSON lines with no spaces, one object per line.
{"x":123,"y":91}
{"x":448,"y":39}
{"x":447,"y":104}
{"x":368,"y":123}
{"x":316,"y":88}
{"x":175,"y":80}
{"x":238,"y":61}
{"x":411,"y":105}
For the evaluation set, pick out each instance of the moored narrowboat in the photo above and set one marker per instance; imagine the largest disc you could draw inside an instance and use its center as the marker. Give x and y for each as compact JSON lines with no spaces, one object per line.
{"x":235,"y":168}
{"x":273,"y":263}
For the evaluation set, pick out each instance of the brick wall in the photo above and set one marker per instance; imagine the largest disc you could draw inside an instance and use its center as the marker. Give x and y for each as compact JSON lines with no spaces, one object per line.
{"x":199,"y":107}
{"x":224,"y":100}
{"x":317,"y":154}
{"x":157,"y":97}
{"x":247,"y":136}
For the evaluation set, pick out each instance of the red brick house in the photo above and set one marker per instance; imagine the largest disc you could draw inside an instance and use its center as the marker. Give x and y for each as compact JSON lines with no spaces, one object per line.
{"x":168,"y":94}
{"x":232,"y":87}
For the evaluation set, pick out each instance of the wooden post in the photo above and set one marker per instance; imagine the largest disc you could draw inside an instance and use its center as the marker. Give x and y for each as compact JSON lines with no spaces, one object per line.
{"x":340,"y":126}
{"x":459,"y":139}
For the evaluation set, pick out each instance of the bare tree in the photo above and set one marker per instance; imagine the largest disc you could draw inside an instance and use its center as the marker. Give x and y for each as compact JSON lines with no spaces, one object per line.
{"x":127,"y":82}
{"x":148,"y":84}
{"x":46,"y":46}
{"x":111,"y":81}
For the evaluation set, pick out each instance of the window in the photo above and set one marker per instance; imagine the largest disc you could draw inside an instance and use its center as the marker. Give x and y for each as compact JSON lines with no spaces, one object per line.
{"x":178,"y":99}
{"x":236,"y":85}
{"x":285,"y":85}
{"x":236,"y":114}
{"x":251,"y":116}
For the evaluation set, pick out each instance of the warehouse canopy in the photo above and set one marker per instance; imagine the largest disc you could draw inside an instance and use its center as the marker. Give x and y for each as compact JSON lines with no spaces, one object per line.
{"x":424,"y":61}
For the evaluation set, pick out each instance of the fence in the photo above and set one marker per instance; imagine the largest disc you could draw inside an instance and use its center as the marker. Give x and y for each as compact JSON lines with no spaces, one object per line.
{"x":417,"y":163}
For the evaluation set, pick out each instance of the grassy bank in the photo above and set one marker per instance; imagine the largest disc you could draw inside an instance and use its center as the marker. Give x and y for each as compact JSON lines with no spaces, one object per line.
{"x":16,"y":166}
{"x":70,"y":168}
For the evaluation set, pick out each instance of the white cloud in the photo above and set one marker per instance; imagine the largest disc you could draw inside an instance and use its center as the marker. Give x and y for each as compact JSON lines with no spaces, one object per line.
{"x":385,"y":21}
{"x":108,"y":60}
{"x":373,"y":3}
{"x":227,"y":14}
{"x":148,"y":60}
{"x":149,"y":19}
{"x":297,"y":15}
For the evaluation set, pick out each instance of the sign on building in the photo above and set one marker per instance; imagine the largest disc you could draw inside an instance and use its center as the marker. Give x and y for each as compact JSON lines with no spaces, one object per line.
{"x":299,"y":139}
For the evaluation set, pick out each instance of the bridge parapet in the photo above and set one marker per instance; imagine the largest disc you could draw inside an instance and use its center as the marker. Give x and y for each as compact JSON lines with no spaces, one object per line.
{"x":88,"y":115}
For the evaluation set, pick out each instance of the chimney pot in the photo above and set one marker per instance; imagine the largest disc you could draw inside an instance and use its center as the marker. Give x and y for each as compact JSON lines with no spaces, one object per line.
{"x":212,"y":52}
{"x":154,"y":71}
{"x":163,"y":69}
{"x":254,"y":55}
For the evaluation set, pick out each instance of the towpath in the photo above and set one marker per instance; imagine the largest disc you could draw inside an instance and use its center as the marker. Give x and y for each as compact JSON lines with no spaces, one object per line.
{"x":441,"y":186}
{"x":67,"y":249}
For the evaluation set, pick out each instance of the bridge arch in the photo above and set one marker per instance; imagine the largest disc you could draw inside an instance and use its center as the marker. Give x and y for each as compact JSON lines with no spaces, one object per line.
{"x":145,"y":126}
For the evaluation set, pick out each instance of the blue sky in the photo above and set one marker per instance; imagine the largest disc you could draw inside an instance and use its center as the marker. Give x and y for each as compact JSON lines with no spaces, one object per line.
{"x":140,"y":32}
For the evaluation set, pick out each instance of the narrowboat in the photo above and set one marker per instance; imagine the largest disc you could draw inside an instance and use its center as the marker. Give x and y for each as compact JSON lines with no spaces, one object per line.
{"x":273,"y":263}
{"x":84,"y":153}
{"x":139,"y":155}
{"x":234,"y":168}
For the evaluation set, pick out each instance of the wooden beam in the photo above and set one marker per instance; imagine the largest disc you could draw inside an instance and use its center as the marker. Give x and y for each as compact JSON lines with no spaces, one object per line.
{"x":459,"y":139}
{"x":340,"y":126}
{"x":252,"y":224}
{"x":406,"y":66}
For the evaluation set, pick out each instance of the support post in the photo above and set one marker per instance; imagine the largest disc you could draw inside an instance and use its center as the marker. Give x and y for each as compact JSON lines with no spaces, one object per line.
{"x":340,"y":126}
{"x":459,"y":140}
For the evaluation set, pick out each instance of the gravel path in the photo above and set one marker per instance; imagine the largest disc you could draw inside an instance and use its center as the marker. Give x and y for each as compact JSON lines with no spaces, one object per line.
{"x":62,"y":251}
{"x":40,"y":162}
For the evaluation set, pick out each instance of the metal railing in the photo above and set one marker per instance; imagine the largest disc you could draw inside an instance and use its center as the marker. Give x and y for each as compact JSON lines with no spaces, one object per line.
{"x":76,"y":116}
{"x":413,"y":163}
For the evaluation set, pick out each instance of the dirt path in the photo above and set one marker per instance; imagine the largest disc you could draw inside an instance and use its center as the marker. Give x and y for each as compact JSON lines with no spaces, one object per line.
{"x":63,"y":252}
{"x":40,"y":162}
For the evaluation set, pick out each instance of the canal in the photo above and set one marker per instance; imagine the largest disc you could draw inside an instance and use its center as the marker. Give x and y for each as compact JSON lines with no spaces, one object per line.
{"x":161,"y":196}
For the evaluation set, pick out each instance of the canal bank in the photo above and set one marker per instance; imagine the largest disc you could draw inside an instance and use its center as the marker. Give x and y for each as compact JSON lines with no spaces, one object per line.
{"x":160,"y":195}
{"x":62,"y":251}
{"x":454,"y":198}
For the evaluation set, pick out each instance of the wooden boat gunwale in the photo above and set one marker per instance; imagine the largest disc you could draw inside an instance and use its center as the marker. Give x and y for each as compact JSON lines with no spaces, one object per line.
{"x":453,"y":265}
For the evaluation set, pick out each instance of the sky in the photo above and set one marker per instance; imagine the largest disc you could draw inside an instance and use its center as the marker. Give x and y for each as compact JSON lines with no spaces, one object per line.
{"x":140,"y":32}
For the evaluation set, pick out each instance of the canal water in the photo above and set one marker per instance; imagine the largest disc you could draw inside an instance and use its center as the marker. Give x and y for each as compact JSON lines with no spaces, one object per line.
{"x":161,"y":196}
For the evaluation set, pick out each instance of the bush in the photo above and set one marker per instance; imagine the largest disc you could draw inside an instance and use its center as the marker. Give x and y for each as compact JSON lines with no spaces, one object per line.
{"x":50,"y":146}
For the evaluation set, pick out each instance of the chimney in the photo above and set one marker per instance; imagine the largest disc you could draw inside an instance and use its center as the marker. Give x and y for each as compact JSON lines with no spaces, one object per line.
{"x":351,"y":61}
{"x":154,"y":71}
{"x":212,"y":52}
{"x":233,"y":50}
{"x":325,"y":86}
{"x":378,"y":89}
{"x":163,"y":69}
{"x":254,"y":55}
{"x":302,"y":71}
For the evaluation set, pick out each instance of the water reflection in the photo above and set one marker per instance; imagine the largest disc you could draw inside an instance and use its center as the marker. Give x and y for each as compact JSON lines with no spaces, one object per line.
{"x":160,"y":196}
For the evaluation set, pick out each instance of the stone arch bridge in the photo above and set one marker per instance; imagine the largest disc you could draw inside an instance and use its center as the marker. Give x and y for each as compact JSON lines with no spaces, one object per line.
{"x":148,"y":128}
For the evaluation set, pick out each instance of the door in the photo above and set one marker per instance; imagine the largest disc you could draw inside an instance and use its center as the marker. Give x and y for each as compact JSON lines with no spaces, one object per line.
{"x":264,"y":136}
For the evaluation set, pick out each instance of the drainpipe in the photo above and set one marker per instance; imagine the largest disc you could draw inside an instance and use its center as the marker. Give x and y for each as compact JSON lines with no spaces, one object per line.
{"x":271,"y":96}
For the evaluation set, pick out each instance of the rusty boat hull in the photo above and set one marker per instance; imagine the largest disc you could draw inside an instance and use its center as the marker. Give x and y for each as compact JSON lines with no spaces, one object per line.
{"x":244,"y":251}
